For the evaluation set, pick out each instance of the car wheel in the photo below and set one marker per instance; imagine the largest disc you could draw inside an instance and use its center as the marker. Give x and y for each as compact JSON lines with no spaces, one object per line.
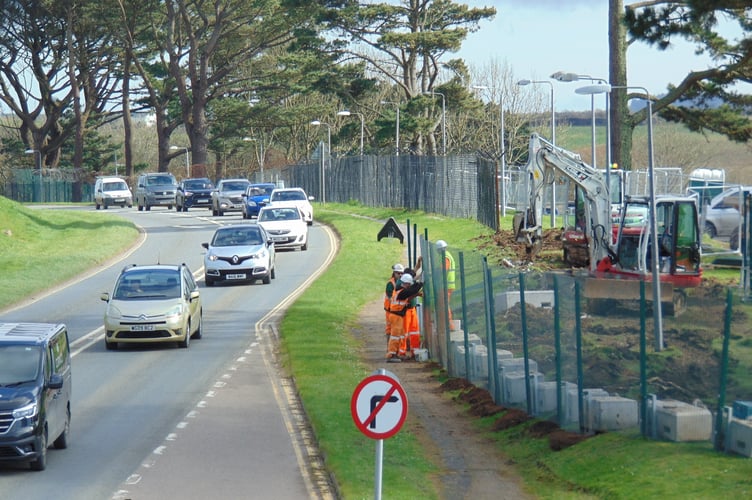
{"x":710,"y":229}
{"x":274,"y":273}
{"x":98,"y":206}
{"x":140,"y":208}
{"x":208,"y":281}
{"x":245,"y":215}
{"x":220,"y":213}
{"x":214,"y":211}
{"x":734,"y":240}
{"x":187,"y":340}
{"x":41,"y":462}
{"x":197,"y":334}
{"x":61,"y":442}
{"x":304,"y":247}
{"x":147,"y":207}
{"x":267,"y":279}
{"x":185,"y":208}
{"x":310,"y":222}
{"x":111,"y":346}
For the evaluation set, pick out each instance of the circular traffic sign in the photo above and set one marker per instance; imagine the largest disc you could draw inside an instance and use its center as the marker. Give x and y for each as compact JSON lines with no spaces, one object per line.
{"x":379,"y":406}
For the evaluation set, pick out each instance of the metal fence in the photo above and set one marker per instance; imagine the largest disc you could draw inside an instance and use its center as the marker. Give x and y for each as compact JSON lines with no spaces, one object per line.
{"x":53,"y":185}
{"x":535,"y":343}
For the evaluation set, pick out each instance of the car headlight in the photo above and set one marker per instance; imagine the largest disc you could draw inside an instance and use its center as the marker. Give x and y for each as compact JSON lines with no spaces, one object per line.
{"x":211,"y":257}
{"x":174,"y":312}
{"x":251,"y":203}
{"x":113,"y":312}
{"x":28,"y":411}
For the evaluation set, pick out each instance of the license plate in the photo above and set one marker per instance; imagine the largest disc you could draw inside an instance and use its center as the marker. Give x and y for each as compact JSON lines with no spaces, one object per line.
{"x":202,"y":200}
{"x":236,"y":276}
{"x":142,"y":328}
{"x":119,"y":200}
{"x":280,"y":238}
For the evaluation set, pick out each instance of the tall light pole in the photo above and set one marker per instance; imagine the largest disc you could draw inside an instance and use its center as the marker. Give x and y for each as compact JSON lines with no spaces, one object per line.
{"x":261,"y":156}
{"x":396,"y":137}
{"x":443,"y":119}
{"x":187,"y":164}
{"x":553,"y":140}
{"x":502,"y":149}
{"x":318,"y":123}
{"x":655,"y":261}
{"x":345,"y":112}
{"x":39,"y":169}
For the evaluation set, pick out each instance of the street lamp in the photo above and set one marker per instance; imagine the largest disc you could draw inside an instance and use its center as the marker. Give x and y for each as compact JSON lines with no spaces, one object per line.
{"x":261,"y":156}
{"x":396,"y":137}
{"x":657,"y":314}
{"x":39,"y":169}
{"x":443,"y":119}
{"x":187,"y":165}
{"x":553,"y":140}
{"x":502,"y":149}
{"x":573,"y":77}
{"x":329,"y":153}
{"x":362,"y":125}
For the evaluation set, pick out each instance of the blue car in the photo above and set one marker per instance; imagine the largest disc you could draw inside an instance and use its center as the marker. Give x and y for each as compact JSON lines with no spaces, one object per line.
{"x":255,"y":197}
{"x":193,"y":193}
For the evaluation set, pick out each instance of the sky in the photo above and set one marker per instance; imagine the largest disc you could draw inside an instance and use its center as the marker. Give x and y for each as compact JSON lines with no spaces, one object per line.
{"x":536,"y":38}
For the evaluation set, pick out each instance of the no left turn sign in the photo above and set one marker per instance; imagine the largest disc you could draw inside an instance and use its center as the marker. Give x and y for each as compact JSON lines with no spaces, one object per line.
{"x":379,"y":406}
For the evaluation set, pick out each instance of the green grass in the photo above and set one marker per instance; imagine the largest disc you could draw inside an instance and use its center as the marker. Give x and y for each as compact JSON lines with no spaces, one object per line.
{"x":40,"y":248}
{"x":321,"y":349}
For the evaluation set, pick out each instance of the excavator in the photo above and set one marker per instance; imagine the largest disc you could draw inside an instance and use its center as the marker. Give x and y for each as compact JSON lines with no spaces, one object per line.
{"x":617,"y":238}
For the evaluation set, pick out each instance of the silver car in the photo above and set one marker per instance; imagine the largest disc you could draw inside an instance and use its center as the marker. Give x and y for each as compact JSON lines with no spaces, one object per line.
{"x":228,"y":196}
{"x":722,"y":215}
{"x":241,"y":252}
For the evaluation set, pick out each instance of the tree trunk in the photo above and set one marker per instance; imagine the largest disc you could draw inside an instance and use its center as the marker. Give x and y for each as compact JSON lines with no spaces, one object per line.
{"x":621,"y":128}
{"x":127,"y":120}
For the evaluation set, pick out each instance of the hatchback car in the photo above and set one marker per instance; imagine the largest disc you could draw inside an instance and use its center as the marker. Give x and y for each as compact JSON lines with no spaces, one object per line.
{"x":255,"y":197}
{"x":722,"y":215}
{"x":242,"y":252}
{"x":157,"y":303}
{"x":193,"y":193}
{"x":294,"y":197}
{"x":228,"y":196}
{"x":285,"y":226}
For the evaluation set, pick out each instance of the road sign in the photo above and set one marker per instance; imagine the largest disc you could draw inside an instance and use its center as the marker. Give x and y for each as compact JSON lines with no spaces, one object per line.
{"x":379,"y":406}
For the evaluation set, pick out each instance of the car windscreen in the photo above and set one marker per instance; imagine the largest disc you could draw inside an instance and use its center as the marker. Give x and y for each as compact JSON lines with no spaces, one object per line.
{"x":279,"y":214}
{"x":234,"y":186}
{"x":232,"y":237}
{"x":198,"y":184}
{"x":19,"y":363}
{"x":288,"y":196}
{"x":148,"y":284}
{"x":115,"y":186}
{"x":160,"y":180}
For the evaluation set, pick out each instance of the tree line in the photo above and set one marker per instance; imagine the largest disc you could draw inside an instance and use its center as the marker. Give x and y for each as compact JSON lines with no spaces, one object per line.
{"x":234,"y":74}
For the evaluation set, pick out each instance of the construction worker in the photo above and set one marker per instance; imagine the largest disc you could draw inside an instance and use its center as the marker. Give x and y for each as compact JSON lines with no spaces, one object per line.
{"x":450,"y":268}
{"x":397,"y":271}
{"x":397,"y":310}
{"x":411,"y":340}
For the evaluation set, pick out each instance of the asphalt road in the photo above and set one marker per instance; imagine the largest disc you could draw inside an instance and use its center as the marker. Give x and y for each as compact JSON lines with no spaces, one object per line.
{"x":213,"y":420}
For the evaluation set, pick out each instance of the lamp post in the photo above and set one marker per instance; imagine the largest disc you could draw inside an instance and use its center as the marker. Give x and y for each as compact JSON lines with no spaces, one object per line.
{"x":39,"y":169}
{"x":261,"y":156}
{"x":345,"y":112}
{"x":187,"y":164}
{"x":396,"y":137}
{"x":553,"y":140}
{"x":657,"y":313}
{"x":318,"y":123}
{"x":443,"y":119}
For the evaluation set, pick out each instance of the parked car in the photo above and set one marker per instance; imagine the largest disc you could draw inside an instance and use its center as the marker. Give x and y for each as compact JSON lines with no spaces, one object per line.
{"x":194,"y":192}
{"x":294,"y":197}
{"x":241,"y":252}
{"x":228,"y":196}
{"x":722,"y":215}
{"x":110,"y":191}
{"x":35,"y":391}
{"x":255,"y":197}
{"x":155,"y":303}
{"x":155,"y":189}
{"x":285,"y":226}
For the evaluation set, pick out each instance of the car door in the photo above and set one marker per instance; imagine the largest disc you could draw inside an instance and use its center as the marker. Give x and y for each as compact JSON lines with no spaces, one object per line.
{"x":194,"y":306}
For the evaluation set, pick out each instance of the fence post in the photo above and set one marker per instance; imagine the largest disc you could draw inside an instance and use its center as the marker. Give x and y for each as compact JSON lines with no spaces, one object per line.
{"x":720,"y":435}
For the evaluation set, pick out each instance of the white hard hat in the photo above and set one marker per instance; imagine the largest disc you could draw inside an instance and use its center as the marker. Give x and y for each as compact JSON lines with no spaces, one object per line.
{"x":406,"y":279}
{"x":398,"y":268}
{"x":441,"y":244}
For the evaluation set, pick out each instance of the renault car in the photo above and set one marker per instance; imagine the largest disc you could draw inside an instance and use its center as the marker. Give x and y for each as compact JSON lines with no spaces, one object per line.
{"x":239,"y":253}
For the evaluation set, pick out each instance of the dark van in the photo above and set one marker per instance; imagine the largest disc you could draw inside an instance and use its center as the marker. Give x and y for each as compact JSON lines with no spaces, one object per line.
{"x":35,"y":391}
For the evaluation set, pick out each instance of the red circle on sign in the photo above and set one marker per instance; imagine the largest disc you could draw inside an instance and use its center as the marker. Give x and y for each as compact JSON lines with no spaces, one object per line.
{"x":366,"y":392}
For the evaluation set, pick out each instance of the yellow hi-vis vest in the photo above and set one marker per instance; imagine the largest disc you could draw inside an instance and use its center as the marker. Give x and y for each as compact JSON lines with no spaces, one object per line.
{"x":450,"y":269}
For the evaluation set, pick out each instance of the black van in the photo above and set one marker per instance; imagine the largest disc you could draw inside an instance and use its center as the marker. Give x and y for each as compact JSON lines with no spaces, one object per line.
{"x":35,"y":391}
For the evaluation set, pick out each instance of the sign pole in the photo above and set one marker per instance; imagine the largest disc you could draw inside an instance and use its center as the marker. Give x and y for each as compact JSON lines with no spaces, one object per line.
{"x":379,"y":469}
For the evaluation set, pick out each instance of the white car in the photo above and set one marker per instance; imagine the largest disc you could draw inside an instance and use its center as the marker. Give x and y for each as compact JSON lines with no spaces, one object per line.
{"x":240,"y":252}
{"x":295,"y":197}
{"x":285,"y":226}
{"x":109,"y":191}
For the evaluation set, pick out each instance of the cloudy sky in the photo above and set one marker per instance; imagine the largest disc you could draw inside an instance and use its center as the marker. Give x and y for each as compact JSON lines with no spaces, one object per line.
{"x":536,"y":38}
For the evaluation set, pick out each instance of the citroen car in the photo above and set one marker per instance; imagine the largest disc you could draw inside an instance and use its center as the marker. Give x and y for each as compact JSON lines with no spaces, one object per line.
{"x":152,"y":304}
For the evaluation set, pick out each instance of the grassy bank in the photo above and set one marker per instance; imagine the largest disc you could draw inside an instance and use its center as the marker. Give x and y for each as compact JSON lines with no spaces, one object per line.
{"x":41,"y":248}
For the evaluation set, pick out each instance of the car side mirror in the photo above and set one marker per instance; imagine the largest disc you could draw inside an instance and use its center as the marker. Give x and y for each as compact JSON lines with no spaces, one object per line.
{"x":105,"y":296}
{"x":205,"y":245}
{"x":56,"y":381}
